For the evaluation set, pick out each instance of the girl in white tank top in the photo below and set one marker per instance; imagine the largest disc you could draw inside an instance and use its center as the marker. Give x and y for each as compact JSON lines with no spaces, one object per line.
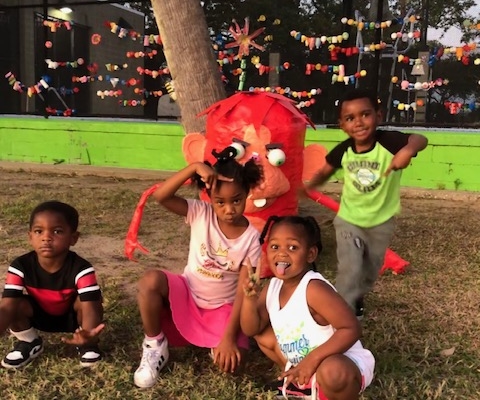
{"x":300,"y":321}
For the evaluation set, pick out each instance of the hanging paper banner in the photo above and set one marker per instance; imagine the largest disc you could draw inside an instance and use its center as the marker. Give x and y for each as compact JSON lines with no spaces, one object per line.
{"x":378,"y":24}
{"x":54,"y":25}
{"x":69,"y":64}
{"x":122,"y":32}
{"x":148,"y":40}
{"x":153,"y":73}
{"x":132,"y":103}
{"x":141,"y":54}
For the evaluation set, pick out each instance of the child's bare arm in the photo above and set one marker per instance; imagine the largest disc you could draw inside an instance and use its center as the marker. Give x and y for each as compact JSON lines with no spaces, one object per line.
{"x":402,"y":159}
{"x":322,"y":175}
{"x":253,"y":316}
{"x":330,"y":308}
{"x":416,"y":143}
{"x":227,"y":355}
{"x":165,"y":194}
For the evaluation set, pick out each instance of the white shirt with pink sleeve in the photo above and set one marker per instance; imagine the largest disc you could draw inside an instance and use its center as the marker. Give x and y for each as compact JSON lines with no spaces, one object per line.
{"x":214,"y":261}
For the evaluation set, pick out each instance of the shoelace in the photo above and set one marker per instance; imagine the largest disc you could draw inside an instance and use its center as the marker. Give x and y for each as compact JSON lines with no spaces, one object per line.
{"x":151,"y":354}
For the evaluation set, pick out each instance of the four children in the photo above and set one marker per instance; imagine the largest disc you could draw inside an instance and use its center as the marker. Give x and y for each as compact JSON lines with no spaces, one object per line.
{"x":298,"y":319}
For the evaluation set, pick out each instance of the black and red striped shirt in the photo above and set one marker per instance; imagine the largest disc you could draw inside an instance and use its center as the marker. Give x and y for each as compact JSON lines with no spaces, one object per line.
{"x":54,"y":292}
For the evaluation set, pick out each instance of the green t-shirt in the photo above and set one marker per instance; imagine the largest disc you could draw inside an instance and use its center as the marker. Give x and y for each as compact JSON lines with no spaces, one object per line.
{"x":369,"y":198}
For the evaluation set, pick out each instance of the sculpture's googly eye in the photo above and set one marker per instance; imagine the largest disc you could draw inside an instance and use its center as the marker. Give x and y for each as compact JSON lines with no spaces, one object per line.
{"x":240,"y":150}
{"x":276,"y":157}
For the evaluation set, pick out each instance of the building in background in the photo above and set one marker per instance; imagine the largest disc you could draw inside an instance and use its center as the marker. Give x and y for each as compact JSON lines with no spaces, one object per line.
{"x":86,"y":46}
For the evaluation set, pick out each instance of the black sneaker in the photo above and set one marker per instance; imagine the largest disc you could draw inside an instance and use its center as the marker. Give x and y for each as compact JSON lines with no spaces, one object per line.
{"x":359,"y":308}
{"x":23,"y":353}
{"x":89,"y":355}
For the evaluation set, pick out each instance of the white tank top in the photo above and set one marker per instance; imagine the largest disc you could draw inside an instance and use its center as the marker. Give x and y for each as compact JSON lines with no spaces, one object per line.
{"x":296,"y":331}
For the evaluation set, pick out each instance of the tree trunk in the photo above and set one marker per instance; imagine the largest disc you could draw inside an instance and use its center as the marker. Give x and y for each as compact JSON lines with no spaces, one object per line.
{"x":190,"y":58}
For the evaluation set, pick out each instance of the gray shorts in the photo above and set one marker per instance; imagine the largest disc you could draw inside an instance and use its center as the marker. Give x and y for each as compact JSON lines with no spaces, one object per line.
{"x":360,"y":255}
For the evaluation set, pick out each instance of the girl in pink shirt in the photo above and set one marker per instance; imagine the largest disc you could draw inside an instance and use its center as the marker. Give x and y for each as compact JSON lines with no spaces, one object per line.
{"x":202,"y":306}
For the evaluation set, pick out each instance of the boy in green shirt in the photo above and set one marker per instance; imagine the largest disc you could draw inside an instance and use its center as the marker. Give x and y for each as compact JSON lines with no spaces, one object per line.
{"x":372,"y":160}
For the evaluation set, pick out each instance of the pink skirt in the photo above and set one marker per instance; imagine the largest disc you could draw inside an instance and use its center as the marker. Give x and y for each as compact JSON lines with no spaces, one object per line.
{"x":186,"y":323}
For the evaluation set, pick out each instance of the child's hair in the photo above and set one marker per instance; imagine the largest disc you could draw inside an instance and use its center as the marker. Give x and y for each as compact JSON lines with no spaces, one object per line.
{"x":67,"y":211}
{"x":310,"y":225}
{"x":359,"y":94}
{"x":247,"y":176}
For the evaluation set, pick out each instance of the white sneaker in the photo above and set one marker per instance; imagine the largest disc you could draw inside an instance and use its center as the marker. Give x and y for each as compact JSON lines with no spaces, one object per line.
{"x":153,"y":360}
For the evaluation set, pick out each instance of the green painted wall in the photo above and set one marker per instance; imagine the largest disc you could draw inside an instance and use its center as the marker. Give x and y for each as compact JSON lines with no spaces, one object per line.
{"x":451,"y":161}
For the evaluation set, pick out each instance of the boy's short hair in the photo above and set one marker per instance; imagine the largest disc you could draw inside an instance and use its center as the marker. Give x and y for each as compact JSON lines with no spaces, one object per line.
{"x":66,"y":210}
{"x":359,"y":94}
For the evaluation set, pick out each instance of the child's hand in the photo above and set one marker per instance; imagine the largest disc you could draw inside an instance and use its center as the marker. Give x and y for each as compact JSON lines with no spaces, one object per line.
{"x":82,"y":337}
{"x":400,"y":160}
{"x":300,"y":374}
{"x":227,"y":355}
{"x":251,"y":285}
{"x":209,"y":176}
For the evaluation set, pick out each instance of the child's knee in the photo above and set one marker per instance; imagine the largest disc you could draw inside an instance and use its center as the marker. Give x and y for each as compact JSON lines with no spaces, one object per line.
{"x":337,"y":373}
{"x":151,"y":280}
{"x":17,"y":308}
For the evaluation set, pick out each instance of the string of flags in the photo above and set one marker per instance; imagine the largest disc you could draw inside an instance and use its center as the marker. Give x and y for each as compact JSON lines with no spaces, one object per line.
{"x":287,"y":91}
{"x":66,"y":113}
{"x":149,"y":40}
{"x":141,"y":54}
{"x":406,"y":85}
{"x":378,"y":24}
{"x":153,"y":73}
{"x":69,"y":64}
{"x":148,"y":93}
{"x":462,"y":53}
{"x":228,"y":56}
{"x":115,"y":67}
{"x":122,"y":32}
{"x":262,"y":69}
{"x":132,"y":103}
{"x":18,"y":86}
{"x":109,"y":93}
{"x":407,"y":106}
{"x":54,"y":25}
{"x":330,"y":41}
{"x":455,"y":107}
{"x":113,"y":80}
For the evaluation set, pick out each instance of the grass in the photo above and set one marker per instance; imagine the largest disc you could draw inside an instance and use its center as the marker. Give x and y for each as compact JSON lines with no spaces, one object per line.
{"x":422,"y":326}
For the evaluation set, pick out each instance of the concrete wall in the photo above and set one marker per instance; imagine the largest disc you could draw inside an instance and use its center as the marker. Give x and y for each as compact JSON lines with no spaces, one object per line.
{"x":451,"y":160}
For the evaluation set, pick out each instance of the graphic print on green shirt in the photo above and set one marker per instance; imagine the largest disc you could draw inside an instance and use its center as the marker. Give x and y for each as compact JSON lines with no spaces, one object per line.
{"x":368,"y":197}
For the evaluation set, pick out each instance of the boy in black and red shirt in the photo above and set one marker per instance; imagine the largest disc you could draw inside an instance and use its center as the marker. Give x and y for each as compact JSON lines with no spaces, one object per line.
{"x":51,"y":289}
